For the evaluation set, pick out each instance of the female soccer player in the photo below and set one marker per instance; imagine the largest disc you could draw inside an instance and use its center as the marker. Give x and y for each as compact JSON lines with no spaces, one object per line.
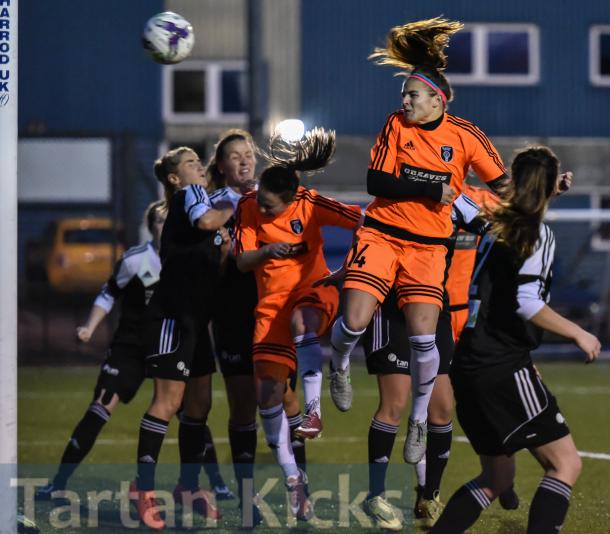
{"x":502,"y":403}
{"x":417,"y":168}
{"x":194,"y":246}
{"x":279,"y":237}
{"x":133,"y":280}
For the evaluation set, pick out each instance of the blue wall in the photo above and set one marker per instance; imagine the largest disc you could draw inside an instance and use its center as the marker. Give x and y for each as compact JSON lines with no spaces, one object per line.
{"x":341,"y":89}
{"x":82,"y":67}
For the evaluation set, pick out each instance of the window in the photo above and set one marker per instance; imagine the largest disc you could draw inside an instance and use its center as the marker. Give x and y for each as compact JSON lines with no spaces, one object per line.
{"x":601,"y":229}
{"x":599,"y":55}
{"x":196,"y":91}
{"x":494,"y":54}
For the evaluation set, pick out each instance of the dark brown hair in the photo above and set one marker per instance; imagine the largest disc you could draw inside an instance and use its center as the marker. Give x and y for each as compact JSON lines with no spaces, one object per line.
{"x":517,"y":220}
{"x":313,"y":152}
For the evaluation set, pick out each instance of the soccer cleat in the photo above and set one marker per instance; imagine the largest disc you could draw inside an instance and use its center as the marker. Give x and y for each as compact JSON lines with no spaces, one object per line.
{"x":383,"y":513}
{"x":222,"y":493}
{"x":299,"y":503}
{"x":44,"y":493}
{"x":26,"y":526}
{"x":415,"y":442}
{"x":201,"y":501}
{"x":340,"y":388}
{"x":310,"y":427}
{"x":427,"y":511}
{"x":509,"y":500}
{"x":147,"y":507}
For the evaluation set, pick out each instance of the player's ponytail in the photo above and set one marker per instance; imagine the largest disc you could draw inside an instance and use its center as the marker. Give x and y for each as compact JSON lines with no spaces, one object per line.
{"x":152,"y":211}
{"x":517,"y":220}
{"x":166,"y":165}
{"x":313,"y":152}
{"x":419,"y":48}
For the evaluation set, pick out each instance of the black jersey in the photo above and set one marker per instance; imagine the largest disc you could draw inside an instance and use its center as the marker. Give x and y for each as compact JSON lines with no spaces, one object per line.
{"x":134,"y":279}
{"x":505,"y":292}
{"x":190,"y":257}
{"x":236,"y":295}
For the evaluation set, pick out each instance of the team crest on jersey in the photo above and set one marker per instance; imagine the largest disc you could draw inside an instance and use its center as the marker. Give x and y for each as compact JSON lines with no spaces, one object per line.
{"x":297,"y":226}
{"x":447,"y":153}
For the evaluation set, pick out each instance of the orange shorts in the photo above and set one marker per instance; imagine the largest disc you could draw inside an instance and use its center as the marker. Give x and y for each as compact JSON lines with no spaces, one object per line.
{"x":380,"y":261}
{"x":458,"y":320}
{"x":272,"y":337}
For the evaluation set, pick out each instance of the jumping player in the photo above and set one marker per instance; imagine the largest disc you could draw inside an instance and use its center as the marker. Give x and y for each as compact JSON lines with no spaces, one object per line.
{"x":279,"y":237}
{"x":417,"y":169}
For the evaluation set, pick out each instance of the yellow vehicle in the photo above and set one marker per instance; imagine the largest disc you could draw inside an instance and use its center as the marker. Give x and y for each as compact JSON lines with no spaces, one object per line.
{"x":77,"y":254}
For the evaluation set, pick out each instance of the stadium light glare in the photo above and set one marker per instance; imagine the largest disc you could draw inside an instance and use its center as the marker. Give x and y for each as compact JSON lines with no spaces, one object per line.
{"x":290,"y":130}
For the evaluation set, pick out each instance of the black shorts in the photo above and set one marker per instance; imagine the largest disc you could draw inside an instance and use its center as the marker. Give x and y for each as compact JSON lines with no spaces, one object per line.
{"x":386,"y":343}
{"x":233,"y":344}
{"x":507,"y":414}
{"x":178,"y":349}
{"x":122,"y":372}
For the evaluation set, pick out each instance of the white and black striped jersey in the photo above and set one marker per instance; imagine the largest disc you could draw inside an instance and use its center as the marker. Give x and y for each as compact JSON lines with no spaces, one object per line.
{"x":190,"y":256}
{"x":505,"y":292}
{"x":134,"y":280}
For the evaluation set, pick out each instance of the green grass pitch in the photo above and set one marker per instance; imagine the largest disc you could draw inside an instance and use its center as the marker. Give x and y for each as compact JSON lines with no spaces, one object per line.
{"x":52,"y":400}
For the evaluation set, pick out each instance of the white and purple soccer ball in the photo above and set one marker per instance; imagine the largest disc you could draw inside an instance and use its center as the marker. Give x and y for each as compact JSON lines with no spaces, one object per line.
{"x":168,"y":38}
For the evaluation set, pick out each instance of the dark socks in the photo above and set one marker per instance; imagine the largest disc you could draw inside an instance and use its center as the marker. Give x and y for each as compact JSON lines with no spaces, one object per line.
{"x":381,"y":442}
{"x":549,"y":506}
{"x":210,"y":460}
{"x":437,"y":456}
{"x":462,"y":510}
{"x":81,"y":442}
{"x":242,"y":439}
{"x":152,"y":432}
{"x":192,"y":447}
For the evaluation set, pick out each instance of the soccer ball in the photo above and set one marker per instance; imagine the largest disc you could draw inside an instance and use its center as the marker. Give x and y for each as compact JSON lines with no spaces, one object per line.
{"x":168,"y":38}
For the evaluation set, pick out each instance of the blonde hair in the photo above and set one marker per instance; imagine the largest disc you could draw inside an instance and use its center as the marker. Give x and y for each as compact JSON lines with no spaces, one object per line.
{"x":168,"y":164}
{"x":419,"y":47}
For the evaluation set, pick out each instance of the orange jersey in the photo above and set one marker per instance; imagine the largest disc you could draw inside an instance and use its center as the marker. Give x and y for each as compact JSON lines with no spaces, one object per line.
{"x":462,"y":262}
{"x":300,"y":225}
{"x":443,"y":154}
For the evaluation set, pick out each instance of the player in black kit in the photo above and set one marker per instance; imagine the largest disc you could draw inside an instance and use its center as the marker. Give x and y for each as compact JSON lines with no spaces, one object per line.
{"x":194,"y":247}
{"x":502,"y":403}
{"x":133,"y":281}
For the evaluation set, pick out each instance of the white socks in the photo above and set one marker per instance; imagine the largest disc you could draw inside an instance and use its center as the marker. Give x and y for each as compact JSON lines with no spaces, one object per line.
{"x":309,"y":358}
{"x":424,"y":364}
{"x":342,"y":342}
{"x":277,"y":432}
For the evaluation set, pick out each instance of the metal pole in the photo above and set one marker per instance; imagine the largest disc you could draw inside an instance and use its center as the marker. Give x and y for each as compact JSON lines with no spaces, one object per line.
{"x":255,"y":69}
{"x":8,"y":264}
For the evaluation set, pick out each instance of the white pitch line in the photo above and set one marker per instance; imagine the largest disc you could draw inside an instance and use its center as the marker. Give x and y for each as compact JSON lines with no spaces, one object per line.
{"x":225,"y":440}
{"x":219,"y":393}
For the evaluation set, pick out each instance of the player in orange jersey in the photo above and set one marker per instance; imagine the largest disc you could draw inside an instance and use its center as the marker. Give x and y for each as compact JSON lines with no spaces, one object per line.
{"x":278,"y":236}
{"x":417,"y":168}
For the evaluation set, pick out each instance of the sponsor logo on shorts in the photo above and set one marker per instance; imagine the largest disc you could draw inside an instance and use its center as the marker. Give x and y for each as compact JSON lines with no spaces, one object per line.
{"x":182,"y":368}
{"x":560,"y":418}
{"x":110,"y":370}
{"x":403,"y":364}
{"x":230,"y":358}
